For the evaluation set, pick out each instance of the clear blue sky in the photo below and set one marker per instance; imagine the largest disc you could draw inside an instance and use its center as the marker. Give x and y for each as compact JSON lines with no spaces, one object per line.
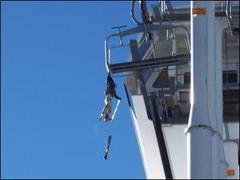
{"x":52,"y":92}
{"x":53,"y":82}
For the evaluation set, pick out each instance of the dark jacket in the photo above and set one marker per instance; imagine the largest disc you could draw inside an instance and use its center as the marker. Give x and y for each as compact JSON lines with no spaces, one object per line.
{"x":111,"y":86}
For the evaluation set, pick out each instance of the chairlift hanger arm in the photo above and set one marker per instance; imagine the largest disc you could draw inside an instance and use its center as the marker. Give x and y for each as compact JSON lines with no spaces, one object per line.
{"x":144,"y":12}
{"x":133,"y":13}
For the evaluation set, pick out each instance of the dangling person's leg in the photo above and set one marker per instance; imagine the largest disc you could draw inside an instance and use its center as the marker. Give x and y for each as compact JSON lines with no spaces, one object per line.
{"x":108,"y":108}
{"x":116,"y":96}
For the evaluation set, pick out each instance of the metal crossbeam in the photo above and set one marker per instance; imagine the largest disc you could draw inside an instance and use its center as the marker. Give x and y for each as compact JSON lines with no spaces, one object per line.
{"x":149,"y":63}
{"x":183,"y":14}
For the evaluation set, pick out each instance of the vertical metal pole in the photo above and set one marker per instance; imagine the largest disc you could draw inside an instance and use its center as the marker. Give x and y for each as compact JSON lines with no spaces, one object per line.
{"x":161,"y":141}
{"x":106,"y":54}
{"x":199,"y":132}
{"x":211,"y":67}
{"x":220,"y":24}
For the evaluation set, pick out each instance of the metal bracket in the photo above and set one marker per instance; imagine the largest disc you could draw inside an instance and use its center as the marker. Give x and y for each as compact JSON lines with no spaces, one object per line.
{"x":203,"y":126}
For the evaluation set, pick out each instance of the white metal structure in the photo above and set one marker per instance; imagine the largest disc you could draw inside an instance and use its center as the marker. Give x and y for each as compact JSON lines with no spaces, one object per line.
{"x":179,"y":139}
{"x":203,"y":129}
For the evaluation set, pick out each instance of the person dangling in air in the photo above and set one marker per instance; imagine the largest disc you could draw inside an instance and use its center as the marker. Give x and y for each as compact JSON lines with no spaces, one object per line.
{"x":109,"y":95}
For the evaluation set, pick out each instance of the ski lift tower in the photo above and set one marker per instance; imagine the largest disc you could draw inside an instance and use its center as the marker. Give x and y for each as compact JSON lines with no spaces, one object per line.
{"x":182,"y":86}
